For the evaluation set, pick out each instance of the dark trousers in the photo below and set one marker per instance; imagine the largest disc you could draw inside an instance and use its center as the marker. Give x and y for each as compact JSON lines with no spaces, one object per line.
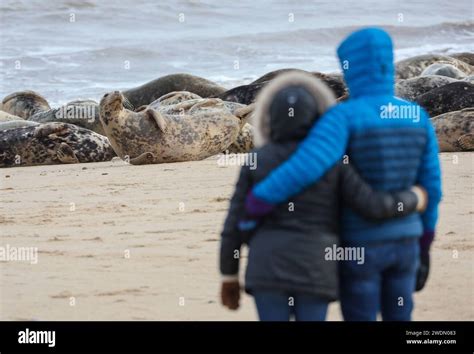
{"x":277,"y":306}
{"x":384,"y":283}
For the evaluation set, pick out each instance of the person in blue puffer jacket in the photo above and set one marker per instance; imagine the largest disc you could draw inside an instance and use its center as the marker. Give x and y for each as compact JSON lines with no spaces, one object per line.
{"x":392,"y":144}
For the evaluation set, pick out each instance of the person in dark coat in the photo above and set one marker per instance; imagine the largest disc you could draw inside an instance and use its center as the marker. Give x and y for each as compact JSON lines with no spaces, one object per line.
{"x":292,"y":262}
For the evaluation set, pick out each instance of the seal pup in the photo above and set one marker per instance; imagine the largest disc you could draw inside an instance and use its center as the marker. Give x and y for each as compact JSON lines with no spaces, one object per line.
{"x":443,"y":69}
{"x":181,"y":132}
{"x":414,"y":66}
{"x":83,"y":113}
{"x":410,"y":89}
{"x":455,"y":130}
{"x":149,"y":92}
{"x":451,"y":97}
{"x":52,"y":143}
{"x":24,"y":104}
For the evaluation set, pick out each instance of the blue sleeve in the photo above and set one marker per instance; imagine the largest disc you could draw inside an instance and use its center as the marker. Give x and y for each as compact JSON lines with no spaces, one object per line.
{"x":321,"y":149}
{"x":429,"y":176}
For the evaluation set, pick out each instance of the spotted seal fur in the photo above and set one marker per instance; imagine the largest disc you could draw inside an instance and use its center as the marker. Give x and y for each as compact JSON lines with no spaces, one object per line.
{"x":190,"y":130}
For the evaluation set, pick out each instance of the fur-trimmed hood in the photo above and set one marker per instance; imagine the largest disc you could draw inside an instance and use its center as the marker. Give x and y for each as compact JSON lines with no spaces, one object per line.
{"x":261,"y":118}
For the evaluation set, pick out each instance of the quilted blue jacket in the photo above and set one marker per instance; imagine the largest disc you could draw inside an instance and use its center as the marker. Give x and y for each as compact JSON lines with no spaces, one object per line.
{"x":390,"y":141}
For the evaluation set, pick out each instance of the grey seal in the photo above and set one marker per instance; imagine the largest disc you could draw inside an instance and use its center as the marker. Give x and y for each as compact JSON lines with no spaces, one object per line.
{"x":451,"y":97}
{"x":52,"y":143}
{"x":414,"y":66}
{"x":24,"y":104}
{"x":150,"y":91}
{"x":455,"y":130}
{"x":190,"y":130}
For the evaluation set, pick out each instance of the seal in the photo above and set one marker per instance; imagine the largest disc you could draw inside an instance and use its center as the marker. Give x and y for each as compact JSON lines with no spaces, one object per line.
{"x":455,"y":130}
{"x":24,"y":104}
{"x":5,"y":117}
{"x":149,"y":92}
{"x":52,"y":143}
{"x":410,"y":89}
{"x":451,"y":97}
{"x":83,"y":113}
{"x":244,"y":141}
{"x":176,"y":97}
{"x":444,"y":69}
{"x":168,"y":104}
{"x":246,"y":94}
{"x":414,"y":66}
{"x":464,"y":56}
{"x":190,"y":130}
{"x":11,"y":124}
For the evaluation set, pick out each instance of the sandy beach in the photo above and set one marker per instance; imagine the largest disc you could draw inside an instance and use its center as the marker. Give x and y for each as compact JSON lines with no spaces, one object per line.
{"x":122,"y":242}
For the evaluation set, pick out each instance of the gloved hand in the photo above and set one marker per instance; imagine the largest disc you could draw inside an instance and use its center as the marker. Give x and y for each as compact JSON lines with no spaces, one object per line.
{"x":424,"y":267}
{"x":230,"y":294}
{"x":257,"y":208}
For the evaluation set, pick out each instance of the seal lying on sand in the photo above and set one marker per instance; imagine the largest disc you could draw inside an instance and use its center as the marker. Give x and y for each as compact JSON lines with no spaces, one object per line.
{"x":416,"y":86}
{"x":451,"y":97}
{"x":83,"y":113}
{"x":52,"y":143}
{"x":455,"y":130}
{"x":246,"y":94}
{"x":149,"y":92}
{"x":24,"y":104}
{"x":444,"y":69}
{"x":243,"y":143}
{"x":190,"y":130}
{"x":414,"y":66}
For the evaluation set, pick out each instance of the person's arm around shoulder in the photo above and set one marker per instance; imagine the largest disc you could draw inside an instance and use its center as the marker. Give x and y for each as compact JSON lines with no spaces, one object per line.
{"x":321,"y":149}
{"x":378,"y":205}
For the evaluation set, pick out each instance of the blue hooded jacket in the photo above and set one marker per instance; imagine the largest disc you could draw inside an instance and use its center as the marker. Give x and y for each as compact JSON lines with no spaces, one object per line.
{"x":390,"y":141}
